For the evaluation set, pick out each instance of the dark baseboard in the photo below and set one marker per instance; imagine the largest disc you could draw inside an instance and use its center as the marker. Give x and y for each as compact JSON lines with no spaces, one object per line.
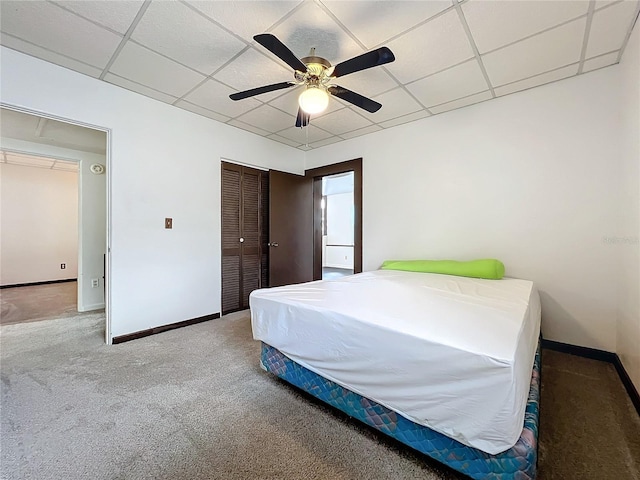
{"x":39,"y":283}
{"x":163,"y":328}
{"x":603,"y":356}
{"x":628,"y":384}
{"x":587,"y":352}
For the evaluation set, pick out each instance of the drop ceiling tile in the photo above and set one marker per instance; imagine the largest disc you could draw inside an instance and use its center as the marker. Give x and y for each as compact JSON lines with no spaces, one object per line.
{"x":456,"y":82}
{"x":605,"y":3}
{"x":412,"y":117}
{"x":249,"y":128}
{"x":394,"y":104}
{"x":434,"y":46}
{"x":29,"y":161}
{"x":548,"y":77}
{"x":284,"y":140}
{"x":310,"y":26}
{"x":306,"y":135}
{"x":498,"y":23}
{"x":326,"y":141}
{"x":305,"y":147}
{"x":214,"y":96}
{"x":155,"y":71}
{"x":361,"y":131}
{"x":461,"y":102}
{"x":599,"y":62}
{"x":47,"y":25}
{"x":65,"y":166}
{"x":141,"y":89}
{"x":177,"y":31}
{"x":252,"y":69}
{"x":609,"y":28}
{"x":116,"y":15}
{"x":344,"y":120}
{"x":72,"y":136}
{"x":370,"y":82}
{"x":49,"y":56}
{"x":245,"y":18}
{"x":552,"y":49}
{"x":201,"y":111}
{"x":268,"y":118}
{"x":375,"y":22}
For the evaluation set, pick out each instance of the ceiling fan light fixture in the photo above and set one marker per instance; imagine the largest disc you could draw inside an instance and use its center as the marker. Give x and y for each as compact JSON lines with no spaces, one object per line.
{"x":313,"y":100}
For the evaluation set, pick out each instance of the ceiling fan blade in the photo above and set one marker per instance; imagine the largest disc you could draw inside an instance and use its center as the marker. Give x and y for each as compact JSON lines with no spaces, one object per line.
{"x":303,"y":119}
{"x":280,"y":50}
{"x":355,"y":98}
{"x":370,"y":59}
{"x":259,"y":90}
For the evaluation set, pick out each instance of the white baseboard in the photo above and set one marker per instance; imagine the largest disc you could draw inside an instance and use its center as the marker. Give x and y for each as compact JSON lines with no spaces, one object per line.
{"x":89,"y":308}
{"x":333,"y":265}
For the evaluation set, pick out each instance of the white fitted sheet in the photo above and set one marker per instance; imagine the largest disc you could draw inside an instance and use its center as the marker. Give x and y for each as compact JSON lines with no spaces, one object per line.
{"x":454,"y":354}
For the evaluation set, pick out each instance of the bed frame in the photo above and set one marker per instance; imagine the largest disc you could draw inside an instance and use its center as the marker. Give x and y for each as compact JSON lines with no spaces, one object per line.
{"x":517,"y":463}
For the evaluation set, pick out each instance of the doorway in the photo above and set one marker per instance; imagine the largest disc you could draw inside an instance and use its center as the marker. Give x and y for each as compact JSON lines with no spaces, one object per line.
{"x":337,"y":188}
{"x":337,"y":211}
{"x":35,"y":142}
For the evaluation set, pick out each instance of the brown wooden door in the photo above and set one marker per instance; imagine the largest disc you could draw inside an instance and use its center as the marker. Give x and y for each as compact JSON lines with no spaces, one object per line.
{"x":290,"y":228}
{"x":244,"y":259}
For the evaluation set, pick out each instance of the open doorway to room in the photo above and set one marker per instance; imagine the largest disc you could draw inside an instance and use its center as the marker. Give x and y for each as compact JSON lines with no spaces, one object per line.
{"x":53,"y":236}
{"x":337,"y":225}
{"x":337,"y":219}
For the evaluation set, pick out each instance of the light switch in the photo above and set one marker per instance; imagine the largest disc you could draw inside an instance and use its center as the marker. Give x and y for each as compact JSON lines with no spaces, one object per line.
{"x":168,"y":223}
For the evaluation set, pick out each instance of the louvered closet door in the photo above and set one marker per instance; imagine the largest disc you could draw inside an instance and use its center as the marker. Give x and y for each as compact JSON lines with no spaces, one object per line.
{"x":231,"y":188}
{"x":250,"y":251}
{"x":244,"y":250}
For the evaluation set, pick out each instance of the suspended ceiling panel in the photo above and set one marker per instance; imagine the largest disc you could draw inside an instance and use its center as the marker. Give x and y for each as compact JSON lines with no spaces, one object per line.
{"x":449,"y":53}
{"x":31,"y":128}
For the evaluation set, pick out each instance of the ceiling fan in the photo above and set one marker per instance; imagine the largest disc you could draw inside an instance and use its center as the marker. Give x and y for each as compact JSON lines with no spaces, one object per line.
{"x":316,"y":73}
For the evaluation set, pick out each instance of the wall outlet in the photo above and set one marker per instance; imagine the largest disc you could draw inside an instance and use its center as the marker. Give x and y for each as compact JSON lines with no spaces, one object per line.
{"x":63,"y":266}
{"x":168,"y":222}
{"x":95,"y":283}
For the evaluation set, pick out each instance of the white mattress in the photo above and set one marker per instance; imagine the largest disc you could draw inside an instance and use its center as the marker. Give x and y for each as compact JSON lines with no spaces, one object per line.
{"x":454,"y":354}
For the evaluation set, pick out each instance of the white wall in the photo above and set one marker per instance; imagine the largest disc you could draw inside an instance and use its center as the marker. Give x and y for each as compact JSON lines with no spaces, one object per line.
{"x":165,"y":162}
{"x":339,"y":231}
{"x":38,"y":224}
{"x":93,"y":235}
{"x":629,"y":213}
{"x":530,"y":178}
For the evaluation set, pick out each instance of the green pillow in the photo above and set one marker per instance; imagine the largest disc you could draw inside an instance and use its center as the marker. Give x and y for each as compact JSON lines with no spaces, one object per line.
{"x":487,"y":268}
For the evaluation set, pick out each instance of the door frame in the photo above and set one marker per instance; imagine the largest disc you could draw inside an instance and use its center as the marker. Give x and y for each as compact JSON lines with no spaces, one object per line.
{"x":354,"y":166}
{"x":107,"y":259}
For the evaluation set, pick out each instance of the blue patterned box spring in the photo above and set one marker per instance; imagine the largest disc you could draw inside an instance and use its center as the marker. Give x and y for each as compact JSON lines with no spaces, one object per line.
{"x":517,"y":463}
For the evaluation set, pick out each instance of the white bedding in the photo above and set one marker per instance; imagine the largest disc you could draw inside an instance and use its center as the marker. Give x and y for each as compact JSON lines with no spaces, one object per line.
{"x":454,"y":354}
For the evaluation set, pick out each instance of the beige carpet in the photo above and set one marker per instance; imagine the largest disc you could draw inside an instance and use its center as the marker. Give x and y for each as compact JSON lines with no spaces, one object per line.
{"x":193,"y":403}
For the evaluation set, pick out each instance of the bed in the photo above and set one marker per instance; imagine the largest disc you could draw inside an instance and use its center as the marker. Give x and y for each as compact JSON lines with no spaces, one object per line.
{"x":447,"y":365}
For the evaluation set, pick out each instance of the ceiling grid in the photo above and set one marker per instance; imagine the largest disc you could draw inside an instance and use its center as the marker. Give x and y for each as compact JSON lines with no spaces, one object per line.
{"x":449,"y":53}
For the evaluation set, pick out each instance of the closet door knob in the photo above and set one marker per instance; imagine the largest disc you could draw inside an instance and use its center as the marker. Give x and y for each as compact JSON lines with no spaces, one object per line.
{"x":241,"y":240}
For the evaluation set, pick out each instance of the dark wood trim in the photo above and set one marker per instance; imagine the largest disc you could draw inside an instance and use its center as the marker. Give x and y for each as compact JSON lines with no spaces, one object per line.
{"x":602,"y":356}
{"x":39,"y":283}
{"x":354,"y":166}
{"x":586,"y":352}
{"x":628,"y":384}
{"x":163,"y":328}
